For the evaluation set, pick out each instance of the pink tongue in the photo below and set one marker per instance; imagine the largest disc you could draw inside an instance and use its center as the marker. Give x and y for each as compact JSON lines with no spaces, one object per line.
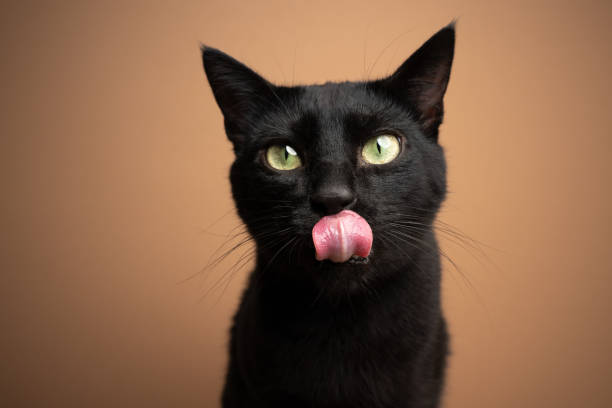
{"x":338,"y":237}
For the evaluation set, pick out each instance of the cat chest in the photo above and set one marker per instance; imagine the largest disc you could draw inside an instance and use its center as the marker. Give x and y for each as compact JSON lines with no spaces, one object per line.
{"x":329,"y":366}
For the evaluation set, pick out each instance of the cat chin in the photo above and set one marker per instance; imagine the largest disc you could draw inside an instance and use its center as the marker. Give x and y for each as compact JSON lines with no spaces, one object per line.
{"x":345,"y":279}
{"x":343,"y":276}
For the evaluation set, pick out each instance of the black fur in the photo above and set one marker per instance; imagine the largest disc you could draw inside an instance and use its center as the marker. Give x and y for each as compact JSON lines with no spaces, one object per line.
{"x":357,"y":334}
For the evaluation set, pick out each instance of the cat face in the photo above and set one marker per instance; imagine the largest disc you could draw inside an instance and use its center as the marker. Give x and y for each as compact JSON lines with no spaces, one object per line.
{"x":305,"y":152}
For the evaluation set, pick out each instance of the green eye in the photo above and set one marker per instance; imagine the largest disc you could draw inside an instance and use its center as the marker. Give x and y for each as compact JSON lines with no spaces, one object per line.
{"x":283,"y":157}
{"x":381,"y":149}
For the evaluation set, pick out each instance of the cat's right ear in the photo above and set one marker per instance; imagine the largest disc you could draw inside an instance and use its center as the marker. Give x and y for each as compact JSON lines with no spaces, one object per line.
{"x":239,"y":91}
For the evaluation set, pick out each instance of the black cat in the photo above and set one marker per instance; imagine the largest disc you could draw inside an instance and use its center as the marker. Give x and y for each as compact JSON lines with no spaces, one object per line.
{"x":339,"y":185}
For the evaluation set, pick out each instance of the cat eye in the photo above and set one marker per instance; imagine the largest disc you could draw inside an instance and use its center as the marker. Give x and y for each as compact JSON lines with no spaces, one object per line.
{"x":283,"y":157}
{"x":381,"y":149}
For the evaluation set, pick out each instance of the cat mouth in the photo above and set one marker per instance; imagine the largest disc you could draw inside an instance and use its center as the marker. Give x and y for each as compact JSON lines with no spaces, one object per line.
{"x":358,"y":260}
{"x":345,"y":236}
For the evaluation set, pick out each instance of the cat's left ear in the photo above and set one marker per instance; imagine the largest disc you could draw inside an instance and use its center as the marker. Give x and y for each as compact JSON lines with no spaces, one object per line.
{"x":421,"y":81}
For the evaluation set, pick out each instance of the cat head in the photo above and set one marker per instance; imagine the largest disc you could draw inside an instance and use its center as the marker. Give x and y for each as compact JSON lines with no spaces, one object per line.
{"x":304,"y":152}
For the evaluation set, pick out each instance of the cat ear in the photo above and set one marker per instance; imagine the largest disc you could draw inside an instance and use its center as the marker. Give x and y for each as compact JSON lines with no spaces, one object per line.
{"x":420,"y":82}
{"x":239,"y":91}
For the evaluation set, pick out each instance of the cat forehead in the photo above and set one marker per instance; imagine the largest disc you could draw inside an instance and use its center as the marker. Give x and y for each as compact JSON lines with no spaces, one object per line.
{"x":335,"y":96}
{"x":335,"y":107}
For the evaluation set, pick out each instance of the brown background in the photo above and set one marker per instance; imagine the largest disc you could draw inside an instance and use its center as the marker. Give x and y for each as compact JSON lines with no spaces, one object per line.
{"x":114,"y":166}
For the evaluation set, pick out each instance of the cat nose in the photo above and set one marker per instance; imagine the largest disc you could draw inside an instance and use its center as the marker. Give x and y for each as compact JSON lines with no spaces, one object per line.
{"x":332,"y":199}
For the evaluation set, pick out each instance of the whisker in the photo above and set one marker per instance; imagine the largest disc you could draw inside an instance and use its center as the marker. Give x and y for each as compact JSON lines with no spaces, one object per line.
{"x":432,"y":249}
{"x":238,"y":266}
{"x":402,"y":250}
{"x":277,"y":253}
{"x":465,"y":278}
{"x":244,"y":259}
{"x":463,"y":241}
{"x":228,"y":274}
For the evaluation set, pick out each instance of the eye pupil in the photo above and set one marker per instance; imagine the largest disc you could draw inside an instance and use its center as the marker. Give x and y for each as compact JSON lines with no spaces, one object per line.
{"x":286,"y":153}
{"x":378,"y":147}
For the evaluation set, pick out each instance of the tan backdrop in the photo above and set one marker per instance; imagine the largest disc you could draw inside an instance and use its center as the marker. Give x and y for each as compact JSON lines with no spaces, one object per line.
{"x":114,"y":191}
